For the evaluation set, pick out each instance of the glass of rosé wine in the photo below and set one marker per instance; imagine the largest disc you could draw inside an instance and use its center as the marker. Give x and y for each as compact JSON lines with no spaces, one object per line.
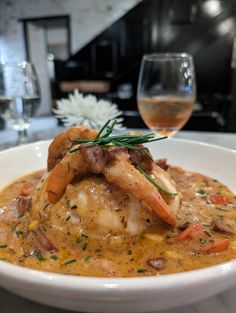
{"x":166,"y":91}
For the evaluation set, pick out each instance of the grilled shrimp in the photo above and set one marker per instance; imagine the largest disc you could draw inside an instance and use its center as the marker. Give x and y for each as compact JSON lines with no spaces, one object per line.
{"x":63,"y":142}
{"x":120,"y":173}
{"x":65,"y":166}
{"x":71,"y":166}
{"x":163,"y":179}
{"x":123,"y":174}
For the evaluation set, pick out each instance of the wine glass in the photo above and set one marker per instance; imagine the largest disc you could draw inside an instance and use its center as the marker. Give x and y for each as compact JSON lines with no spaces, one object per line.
{"x":166,"y":91}
{"x":19,"y":96}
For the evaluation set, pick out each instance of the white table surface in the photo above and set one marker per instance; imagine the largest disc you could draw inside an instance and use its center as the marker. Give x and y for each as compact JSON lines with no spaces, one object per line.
{"x":46,"y":128}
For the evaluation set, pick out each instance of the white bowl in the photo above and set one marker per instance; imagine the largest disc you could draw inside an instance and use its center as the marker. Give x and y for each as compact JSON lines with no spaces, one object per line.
{"x":143,"y":294}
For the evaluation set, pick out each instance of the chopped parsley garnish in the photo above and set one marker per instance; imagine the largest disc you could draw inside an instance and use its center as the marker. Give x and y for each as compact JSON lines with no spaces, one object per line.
{"x":141,"y":270}
{"x":98,"y":250}
{"x":70,"y":262}
{"x":3,"y":245}
{"x":207,"y":233}
{"x":39,"y":256}
{"x":206,"y":225}
{"x":85,"y":246}
{"x":16,"y":231}
{"x":67,"y":219}
{"x":79,"y":239}
{"x":201,"y":191}
{"x":129,"y":252}
{"x":54,"y":257}
{"x":202,"y":241}
{"x":89,"y":257}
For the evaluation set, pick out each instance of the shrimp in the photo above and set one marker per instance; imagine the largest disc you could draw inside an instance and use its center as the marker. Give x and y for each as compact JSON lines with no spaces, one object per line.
{"x":71,"y":166}
{"x":120,"y":172}
{"x":163,"y":179}
{"x":123,"y":174}
{"x":63,"y":142}
{"x":65,"y":166}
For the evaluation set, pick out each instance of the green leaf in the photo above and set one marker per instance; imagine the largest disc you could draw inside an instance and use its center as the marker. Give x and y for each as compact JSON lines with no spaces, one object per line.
{"x":70,"y":262}
{"x":89,"y":257}
{"x":98,"y":250}
{"x":201,"y":191}
{"x":79,"y":239}
{"x":39,"y":256}
{"x":141,"y":270}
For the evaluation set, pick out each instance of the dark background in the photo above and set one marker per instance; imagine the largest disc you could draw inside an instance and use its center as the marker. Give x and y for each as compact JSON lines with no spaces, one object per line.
{"x":205,"y":29}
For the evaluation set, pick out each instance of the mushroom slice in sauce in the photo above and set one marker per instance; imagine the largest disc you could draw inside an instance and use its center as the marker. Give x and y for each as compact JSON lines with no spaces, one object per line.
{"x":157,"y":263}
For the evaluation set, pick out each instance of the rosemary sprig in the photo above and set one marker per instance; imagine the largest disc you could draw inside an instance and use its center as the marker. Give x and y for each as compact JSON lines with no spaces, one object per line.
{"x":102,"y":129}
{"x":152,"y":181}
{"x":125,"y":140}
{"x":109,"y":129}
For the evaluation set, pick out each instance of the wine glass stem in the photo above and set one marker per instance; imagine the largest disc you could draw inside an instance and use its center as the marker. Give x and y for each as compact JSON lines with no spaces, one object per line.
{"x":22,"y":136}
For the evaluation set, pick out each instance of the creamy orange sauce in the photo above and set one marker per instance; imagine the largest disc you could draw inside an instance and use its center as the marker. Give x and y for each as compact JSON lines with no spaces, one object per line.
{"x":99,"y":230}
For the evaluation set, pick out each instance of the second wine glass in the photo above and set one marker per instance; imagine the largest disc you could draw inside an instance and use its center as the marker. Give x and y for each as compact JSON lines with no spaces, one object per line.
{"x":166,"y":91}
{"x":19,"y":96}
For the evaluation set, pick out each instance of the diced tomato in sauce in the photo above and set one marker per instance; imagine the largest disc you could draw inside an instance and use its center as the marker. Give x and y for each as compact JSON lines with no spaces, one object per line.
{"x":201,"y":240}
{"x":219,"y":199}
{"x":191,"y":232}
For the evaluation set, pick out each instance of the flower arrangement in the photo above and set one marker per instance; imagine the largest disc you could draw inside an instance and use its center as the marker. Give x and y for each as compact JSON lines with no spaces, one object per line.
{"x":87,"y":110}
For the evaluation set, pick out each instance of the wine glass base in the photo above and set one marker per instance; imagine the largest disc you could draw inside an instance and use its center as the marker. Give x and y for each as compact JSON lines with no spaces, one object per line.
{"x":22,"y":137}
{"x":168,"y":132}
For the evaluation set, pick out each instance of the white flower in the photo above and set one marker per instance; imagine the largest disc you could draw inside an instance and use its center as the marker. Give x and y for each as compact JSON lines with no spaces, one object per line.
{"x":87,"y":110}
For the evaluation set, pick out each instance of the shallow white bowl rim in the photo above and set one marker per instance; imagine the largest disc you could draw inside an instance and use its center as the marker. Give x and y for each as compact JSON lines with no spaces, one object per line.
{"x":198,"y":277}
